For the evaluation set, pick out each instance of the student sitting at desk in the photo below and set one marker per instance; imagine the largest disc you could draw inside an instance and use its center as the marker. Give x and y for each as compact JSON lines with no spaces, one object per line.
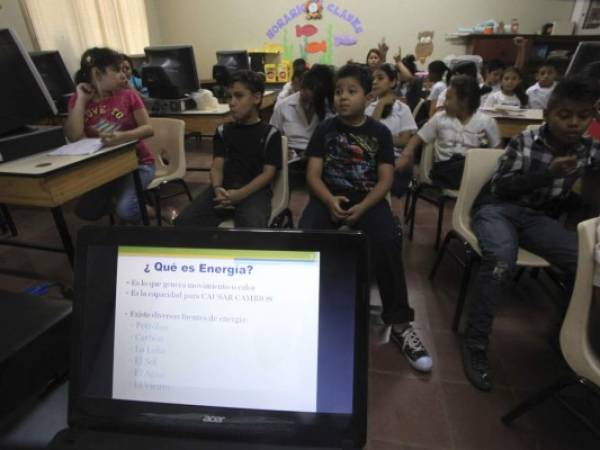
{"x":540,"y":92}
{"x":246,"y":157}
{"x":101,"y":108}
{"x":297,"y":116}
{"x":511,"y":91}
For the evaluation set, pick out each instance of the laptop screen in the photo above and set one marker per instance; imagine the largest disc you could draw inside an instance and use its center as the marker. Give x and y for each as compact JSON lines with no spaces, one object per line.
{"x":218,"y":327}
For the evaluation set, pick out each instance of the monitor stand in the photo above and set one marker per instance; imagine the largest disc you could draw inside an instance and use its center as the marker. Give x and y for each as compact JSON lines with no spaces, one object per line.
{"x":29,"y":140}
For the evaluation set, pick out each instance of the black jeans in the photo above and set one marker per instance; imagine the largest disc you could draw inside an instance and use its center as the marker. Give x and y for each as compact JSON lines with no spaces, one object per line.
{"x":386,"y":247}
{"x":252,"y":212}
{"x":501,"y":229}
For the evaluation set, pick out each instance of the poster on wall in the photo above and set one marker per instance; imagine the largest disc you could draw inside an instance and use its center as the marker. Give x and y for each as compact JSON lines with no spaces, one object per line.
{"x":318,"y":28}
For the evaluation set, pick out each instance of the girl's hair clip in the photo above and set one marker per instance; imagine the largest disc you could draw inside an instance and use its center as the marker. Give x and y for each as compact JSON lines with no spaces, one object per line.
{"x":88,"y":60}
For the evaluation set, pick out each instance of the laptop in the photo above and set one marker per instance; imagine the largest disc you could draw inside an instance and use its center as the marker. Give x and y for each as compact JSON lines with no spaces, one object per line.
{"x":218,"y":339}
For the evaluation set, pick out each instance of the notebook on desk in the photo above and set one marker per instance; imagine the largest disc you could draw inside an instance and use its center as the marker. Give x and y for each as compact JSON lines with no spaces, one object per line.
{"x":218,"y":339}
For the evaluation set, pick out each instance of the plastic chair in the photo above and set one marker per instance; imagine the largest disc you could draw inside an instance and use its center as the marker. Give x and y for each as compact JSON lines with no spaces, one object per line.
{"x":168,"y":148}
{"x":480,"y":165}
{"x":281,"y":216}
{"x":422,"y":188}
{"x":574,"y":334}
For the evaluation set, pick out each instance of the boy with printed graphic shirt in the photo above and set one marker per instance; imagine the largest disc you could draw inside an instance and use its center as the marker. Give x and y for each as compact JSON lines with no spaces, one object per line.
{"x":350,"y":171}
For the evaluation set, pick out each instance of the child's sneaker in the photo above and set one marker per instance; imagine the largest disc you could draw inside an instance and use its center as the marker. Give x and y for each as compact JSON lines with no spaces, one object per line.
{"x":413,"y":349}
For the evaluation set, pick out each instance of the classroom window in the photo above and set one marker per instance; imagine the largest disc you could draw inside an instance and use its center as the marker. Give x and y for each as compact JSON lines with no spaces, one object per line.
{"x":72,"y":26}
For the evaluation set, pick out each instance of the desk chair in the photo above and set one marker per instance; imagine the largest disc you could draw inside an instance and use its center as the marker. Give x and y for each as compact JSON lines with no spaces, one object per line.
{"x":575,"y":344}
{"x":168,"y":147}
{"x":422,"y":189}
{"x":281,"y":216}
{"x":480,"y":165}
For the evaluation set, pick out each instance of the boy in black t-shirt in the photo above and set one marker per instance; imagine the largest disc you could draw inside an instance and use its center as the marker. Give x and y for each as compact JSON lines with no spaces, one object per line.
{"x":350,"y":171}
{"x":246,"y":157}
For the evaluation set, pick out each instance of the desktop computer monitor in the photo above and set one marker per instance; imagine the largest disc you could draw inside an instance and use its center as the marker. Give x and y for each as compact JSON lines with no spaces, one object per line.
{"x":170,"y":72}
{"x":25,"y":98}
{"x":233,"y":60}
{"x":56,"y":77}
{"x":586,"y":53}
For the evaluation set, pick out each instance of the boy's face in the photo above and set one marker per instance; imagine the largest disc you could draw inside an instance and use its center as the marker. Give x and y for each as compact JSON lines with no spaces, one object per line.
{"x":569,"y":120}
{"x":350,"y":99}
{"x":494,"y":77}
{"x":243,"y":102}
{"x":546,"y":76}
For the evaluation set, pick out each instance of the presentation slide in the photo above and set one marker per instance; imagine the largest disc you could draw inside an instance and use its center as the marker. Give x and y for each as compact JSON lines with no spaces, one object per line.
{"x":227,"y":328}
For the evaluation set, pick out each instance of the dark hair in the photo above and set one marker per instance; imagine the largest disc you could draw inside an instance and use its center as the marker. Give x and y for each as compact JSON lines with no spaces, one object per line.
{"x":377,"y":52}
{"x":520,"y":90}
{"x":319,"y":80}
{"x":101,"y":58}
{"x":252,"y":81}
{"x":390,"y":72}
{"x":130,"y":61}
{"x":468,"y":68}
{"x":592,"y":70}
{"x":494,"y":64}
{"x":578,"y":89}
{"x":467,"y":88}
{"x":554,"y":63}
{"x":438,"y":68}
{"x":299,"y":64}
{"x":359,"y":73}
{"x":410,"y":62}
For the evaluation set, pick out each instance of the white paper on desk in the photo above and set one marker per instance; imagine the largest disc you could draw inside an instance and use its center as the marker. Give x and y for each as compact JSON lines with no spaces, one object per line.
{"x":85,"y":146}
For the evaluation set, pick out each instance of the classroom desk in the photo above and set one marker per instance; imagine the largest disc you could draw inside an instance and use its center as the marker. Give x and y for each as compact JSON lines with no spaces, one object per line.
{"x":50,"y":181}
{"x":511,"y":125}
{"x":206,"y":122}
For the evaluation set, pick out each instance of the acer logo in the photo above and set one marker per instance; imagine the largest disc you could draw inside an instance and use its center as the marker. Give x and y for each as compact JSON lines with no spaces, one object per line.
{"x":213,"y":419}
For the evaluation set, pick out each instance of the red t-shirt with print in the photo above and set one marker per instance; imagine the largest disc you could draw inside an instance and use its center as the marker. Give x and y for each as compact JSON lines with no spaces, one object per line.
{"x":115,"y":113}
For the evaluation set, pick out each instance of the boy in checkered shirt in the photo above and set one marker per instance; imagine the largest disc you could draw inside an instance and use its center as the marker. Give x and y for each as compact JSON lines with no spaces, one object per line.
{"x":534,"y":175}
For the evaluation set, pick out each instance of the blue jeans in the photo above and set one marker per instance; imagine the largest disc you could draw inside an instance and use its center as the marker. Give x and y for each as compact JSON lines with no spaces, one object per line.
{"x":501,"y":229}
{"x":252,"y":212}
{"x":385,"y":244}
{"x":118,"y":196}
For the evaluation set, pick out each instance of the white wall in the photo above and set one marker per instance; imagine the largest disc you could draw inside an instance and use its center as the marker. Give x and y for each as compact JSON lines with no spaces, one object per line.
{"x":242,"y":24}
{"x":11,"y":16}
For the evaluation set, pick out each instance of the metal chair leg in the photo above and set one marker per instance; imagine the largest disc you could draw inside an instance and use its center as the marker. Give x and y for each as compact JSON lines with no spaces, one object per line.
{"x":413,"y":211}
{"x":464,"y":285}
{"x":156,"y":193}
{"x":440,"y":255}
{"x":438,"y":234}
{"x":185,"y":188}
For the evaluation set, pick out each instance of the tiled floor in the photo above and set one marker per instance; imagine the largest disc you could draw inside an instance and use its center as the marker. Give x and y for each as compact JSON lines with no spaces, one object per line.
{"x":408,"y":410}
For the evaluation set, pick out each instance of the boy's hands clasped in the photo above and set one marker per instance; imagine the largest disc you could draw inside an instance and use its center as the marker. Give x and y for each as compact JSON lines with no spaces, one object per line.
{"x":339,"y":214}
{"x":227,"y":199}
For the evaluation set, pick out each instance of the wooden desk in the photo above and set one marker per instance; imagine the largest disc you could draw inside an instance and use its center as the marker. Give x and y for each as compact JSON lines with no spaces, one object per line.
{"x":206,"y":122}
{"x":50,"y":181}
{"x":511,"y":125}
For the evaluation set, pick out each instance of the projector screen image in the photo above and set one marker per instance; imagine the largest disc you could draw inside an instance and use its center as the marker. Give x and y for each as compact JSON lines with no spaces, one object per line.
{"x":226,"y":328}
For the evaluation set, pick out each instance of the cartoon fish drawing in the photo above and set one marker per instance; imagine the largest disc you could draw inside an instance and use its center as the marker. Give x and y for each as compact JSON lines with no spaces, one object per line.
{"x":345,"y":40}
{"x":316,"y":47}
{"x":306,"y":30}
